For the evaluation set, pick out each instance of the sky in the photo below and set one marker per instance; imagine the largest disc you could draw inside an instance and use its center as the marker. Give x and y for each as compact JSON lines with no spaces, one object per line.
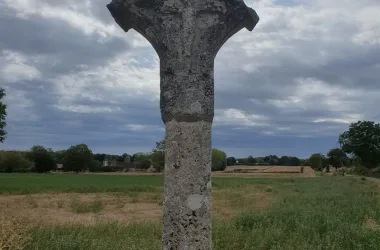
{"x":289,"y":87}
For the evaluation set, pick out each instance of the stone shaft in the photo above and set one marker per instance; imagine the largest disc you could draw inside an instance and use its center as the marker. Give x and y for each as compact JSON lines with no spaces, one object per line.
{"x":187,"y":35}
{"x":187,"y":216}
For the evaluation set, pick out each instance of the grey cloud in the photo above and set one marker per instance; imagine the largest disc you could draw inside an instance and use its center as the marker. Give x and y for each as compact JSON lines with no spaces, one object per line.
{"x":63,"y":47}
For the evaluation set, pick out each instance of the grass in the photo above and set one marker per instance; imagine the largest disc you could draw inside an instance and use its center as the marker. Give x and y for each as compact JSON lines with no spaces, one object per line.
{"x":329,"y":212}
{"x":38,"y":183}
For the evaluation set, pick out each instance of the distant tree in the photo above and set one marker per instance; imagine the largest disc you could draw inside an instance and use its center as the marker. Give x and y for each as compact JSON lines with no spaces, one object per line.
{"x":242,"y":161}
{"x":362,"y":139}
{"x":325,"y":163}
{"x":42,"y":158}
{"x":13,"y":161}
{"x":140,"y":157}
{"x":283,"y":161}
{"x":273,"y":160}
{"x":259,"y":160}
{"x":219,"y":159}
{"x":3,"y":114}
{"x":251,"y":160}
{"x":158,"y":156}
{"x":78,"y":158}
{"x":127,"y":158}
{"x":316,"y":162}
{"x":119,"y":158}
{"x":231,"y":161}
{"x":294,"y":161}
{"x":337,"y":157}
{"x":59,"y":156}
{"x":305,"y":162}
{"x":100,"y":157}
{"x":95,"y":166}
{"x":144,"y":164}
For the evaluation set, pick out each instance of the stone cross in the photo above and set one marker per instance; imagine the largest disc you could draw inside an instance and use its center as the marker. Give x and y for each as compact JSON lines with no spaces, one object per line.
{"x":186,"y":34}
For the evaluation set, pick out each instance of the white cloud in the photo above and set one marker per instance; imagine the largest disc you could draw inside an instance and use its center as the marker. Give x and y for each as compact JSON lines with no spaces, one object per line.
{"x":118,"y":81}
{"x":235,"y":117}
{"x":143,"y":127}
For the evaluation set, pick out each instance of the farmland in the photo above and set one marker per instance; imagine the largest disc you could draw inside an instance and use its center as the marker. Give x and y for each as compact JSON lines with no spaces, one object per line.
{"x":78,"y":211}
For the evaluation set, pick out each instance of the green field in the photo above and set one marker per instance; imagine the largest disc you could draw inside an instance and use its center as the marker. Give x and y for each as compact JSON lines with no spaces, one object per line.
{"x":300,"y":213}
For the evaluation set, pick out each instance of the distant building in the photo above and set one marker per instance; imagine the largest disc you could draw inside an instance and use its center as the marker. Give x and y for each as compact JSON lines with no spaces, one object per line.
{"x":59,"y":167}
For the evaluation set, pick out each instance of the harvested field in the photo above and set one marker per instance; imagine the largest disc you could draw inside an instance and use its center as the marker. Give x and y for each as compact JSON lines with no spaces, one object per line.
{"x":266,"y":171}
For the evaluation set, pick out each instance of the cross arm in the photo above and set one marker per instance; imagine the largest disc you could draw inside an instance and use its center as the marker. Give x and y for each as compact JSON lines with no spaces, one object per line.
{"x":237,"y":17}
{"x":138,"y":15}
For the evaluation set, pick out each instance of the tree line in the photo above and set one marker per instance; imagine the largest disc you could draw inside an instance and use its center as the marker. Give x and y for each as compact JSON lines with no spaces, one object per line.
{"x":80,"y":158}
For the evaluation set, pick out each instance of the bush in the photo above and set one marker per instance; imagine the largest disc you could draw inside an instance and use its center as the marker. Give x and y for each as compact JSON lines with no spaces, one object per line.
{"x":12,"y":161}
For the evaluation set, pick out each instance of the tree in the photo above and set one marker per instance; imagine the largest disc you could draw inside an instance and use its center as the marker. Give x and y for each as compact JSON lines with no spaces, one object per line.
{"x":144,"y":164}
{"x":325,"y":163}
{"x":59,"y":156}
{"x":99,"y":157}
{"x":3,"y":114}
{"x":78,"y":158}
{"x":251,"y":160}
{"x":316,"y":162}
{"x":13,"y":161}
{"x":140,"y":157}
{"x":363,"y":140}
{"x":158,"y":156}
{"x":283,"y":161}
{"x":337,"y":157}
{"x":42,"y":158}
{"x":219,"y":159}
{"x":127,"y":158}
{"x":294,"y":161}
{"x":231,"y":161}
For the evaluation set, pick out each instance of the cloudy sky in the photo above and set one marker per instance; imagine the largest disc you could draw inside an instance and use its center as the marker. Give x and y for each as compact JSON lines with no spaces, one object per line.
{"x":290,"y":87}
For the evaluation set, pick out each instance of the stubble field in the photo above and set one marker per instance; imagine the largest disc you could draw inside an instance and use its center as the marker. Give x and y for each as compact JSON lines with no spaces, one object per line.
{"x":62,"y":211}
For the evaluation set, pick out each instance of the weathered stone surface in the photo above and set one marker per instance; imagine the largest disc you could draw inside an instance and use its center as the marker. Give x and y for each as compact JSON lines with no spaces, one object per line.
{"x":187,"y":223}
{"x":187,"y":35}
